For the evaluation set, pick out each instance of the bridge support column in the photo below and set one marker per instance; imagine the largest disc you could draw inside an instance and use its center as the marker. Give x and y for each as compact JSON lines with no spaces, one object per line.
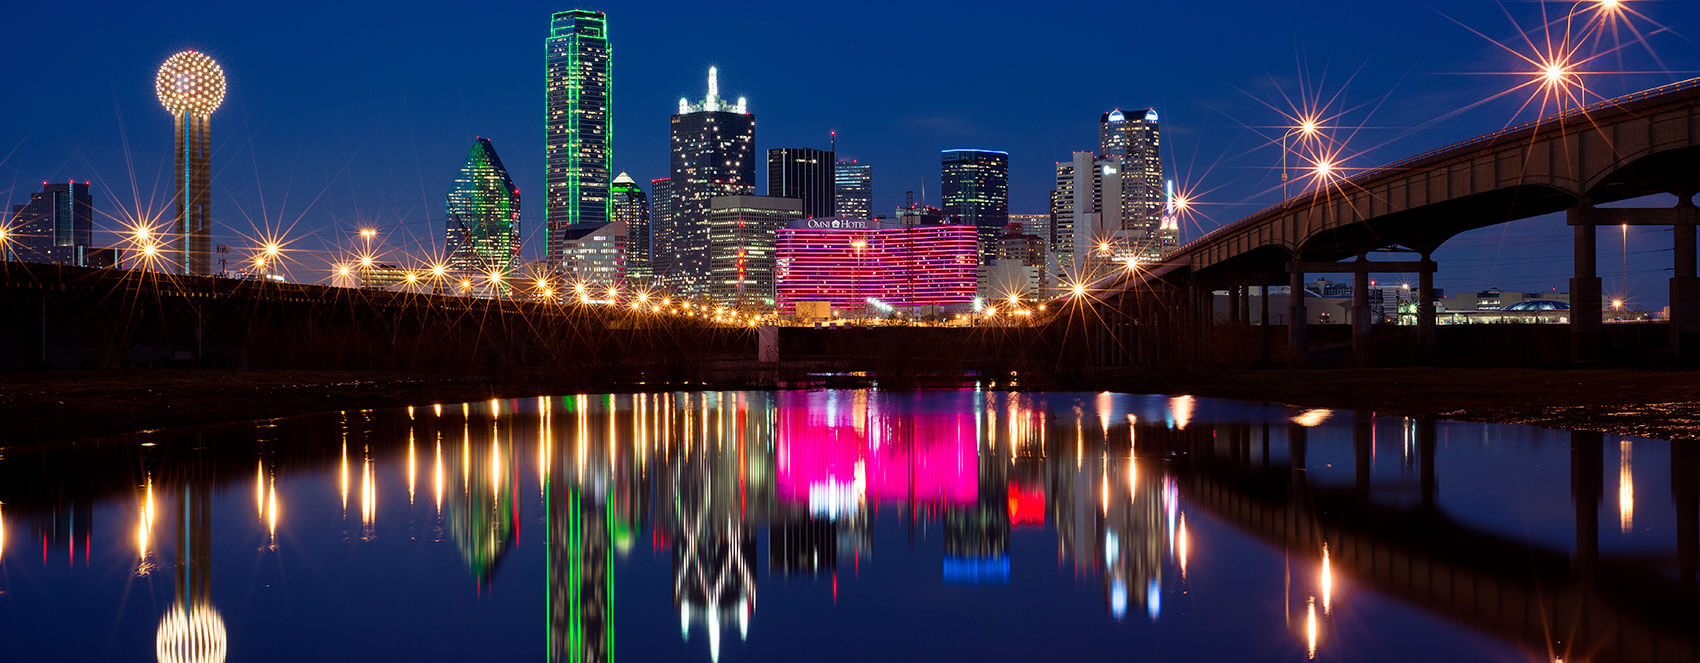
{"x":1245,"y":304}
{"x":1362,"y":353}
{"x":1297,"y":318}
{"x":1263,"y":319}
{"x":1585,"y":323}
{"x":1684,"y":285}
{"x":1425,"y":309}
{"x":1235,"y":294}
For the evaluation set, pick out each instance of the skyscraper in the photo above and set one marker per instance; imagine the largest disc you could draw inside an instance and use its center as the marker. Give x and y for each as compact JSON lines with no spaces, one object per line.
{"x":191,"y":86}
{"x":740,"y":237}
{"x":712,"y":155}
{"x":855,"y":189}
{"x":976,"y":192}
{"x":576,"y":120}
{"x":1136,"y":143}
{"x":805,"y":174}
{"x":56,"y":225}
{"x":631,"y":207}
{"x":483,"y":216}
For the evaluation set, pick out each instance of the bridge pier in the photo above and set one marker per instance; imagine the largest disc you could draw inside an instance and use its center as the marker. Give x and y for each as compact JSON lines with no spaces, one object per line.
{"x":1684,"y":284}
{"x":1298,"y":345}
{"x":1362,"y":354}
{"x":1585,"y":323}
{"x":1425,"y":308}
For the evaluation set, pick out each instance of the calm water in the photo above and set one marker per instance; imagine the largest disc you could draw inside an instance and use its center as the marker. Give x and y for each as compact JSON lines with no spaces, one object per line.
{"x":852,"y":525}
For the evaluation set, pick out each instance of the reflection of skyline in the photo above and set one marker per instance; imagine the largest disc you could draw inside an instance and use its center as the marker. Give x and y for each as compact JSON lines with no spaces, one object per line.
{"x":704,"y":476}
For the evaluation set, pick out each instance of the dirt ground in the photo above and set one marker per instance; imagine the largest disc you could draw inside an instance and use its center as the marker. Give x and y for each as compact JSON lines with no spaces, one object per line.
{"x":62,"y":406}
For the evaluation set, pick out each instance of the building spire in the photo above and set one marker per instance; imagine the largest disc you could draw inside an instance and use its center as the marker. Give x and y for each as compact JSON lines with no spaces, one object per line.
{"x":713,"y":89}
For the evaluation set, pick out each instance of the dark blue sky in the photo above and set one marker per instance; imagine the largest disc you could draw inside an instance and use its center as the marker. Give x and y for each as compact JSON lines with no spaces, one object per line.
{"x":342,"y":116}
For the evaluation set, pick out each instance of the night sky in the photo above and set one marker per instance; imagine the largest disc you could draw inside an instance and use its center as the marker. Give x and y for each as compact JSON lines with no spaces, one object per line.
{"x":358,"y":114}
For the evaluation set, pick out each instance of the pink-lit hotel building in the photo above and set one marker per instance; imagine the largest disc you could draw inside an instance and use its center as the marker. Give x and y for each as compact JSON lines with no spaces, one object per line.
{"x":848,"y":261}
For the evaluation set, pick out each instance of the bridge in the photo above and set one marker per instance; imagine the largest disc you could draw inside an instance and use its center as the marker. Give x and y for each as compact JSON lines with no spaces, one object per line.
{"x":1618,"y":149}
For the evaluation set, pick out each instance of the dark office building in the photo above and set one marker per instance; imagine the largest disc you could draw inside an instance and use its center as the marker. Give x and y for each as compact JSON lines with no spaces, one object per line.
{"x":806,"y":174}
{"x":713,"y":155}
{"x":56,"y":225}
{"x":855,"y":189}
{"x":661,"y":244}
{"x":976,"y":192}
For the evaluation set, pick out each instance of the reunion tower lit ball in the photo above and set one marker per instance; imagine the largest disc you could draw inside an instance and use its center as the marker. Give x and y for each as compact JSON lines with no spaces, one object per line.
{"x":190,"y":82}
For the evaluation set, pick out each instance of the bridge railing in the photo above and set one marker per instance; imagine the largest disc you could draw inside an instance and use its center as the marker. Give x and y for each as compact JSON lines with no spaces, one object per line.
{"x":1458,"y":147}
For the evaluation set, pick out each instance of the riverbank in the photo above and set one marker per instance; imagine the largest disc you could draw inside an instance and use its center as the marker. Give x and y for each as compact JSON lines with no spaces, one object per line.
{"x":60,"y":406}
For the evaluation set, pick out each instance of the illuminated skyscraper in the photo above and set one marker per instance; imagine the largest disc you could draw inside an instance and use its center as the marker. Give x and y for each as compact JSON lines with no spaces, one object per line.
{"x":855,"y":189}
{"x":191,"y":86}
{"x":1135,"y":142}
{"x":631,"y":207}
{"x":712,"y":155}
{"x":483,"y":216}
{"x":661,"y":244}
{"x":805,"y":174}
{"x":976,"y":192}
{"x":576,"y":66}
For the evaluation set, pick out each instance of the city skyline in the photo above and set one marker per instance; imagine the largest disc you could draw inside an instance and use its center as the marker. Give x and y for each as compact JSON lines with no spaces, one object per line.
{"x":1201,"y":145}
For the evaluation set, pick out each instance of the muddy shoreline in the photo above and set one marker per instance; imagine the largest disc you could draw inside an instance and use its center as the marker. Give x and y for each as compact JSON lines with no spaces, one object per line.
{"x":68,"y":406}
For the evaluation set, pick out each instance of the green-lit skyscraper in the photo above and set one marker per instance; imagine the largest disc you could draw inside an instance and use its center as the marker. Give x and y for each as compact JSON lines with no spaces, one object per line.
{"x":576,"y":121}
{"x":483,"y":216}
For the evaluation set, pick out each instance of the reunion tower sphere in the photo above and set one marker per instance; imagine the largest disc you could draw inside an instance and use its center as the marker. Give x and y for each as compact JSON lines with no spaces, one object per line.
{"x":190,"y":83}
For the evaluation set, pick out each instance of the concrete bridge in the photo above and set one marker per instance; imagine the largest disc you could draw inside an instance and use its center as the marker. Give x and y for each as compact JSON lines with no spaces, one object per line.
{"x":1619,"y":149}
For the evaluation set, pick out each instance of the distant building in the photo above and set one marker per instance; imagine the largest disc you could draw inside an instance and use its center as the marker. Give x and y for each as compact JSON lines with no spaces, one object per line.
{"x":848,"y":262}
{"x":661,"y":243}
{"x":1494,"y":299}
{"x":855,"y":189}
{"x":631,"y":207}
{"x":597,"y":253}
{"x":577,"y":93}
{"x":713,"y":155}
{"x":975,"y":191}
{"x":916,"y":214}
{"x":741,"y":235}
{"x":1020,"y":264}
{"x":806,"y":174}
{"x":482,"y":212}
{"x":56,"y":226}
{"x":386,"y":276}
{"x":1083,"y":235}
{"x":1034,"y":224}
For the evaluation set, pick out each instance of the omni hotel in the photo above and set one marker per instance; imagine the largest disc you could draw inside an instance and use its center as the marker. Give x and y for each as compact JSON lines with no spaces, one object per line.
{"x":873,"y":266}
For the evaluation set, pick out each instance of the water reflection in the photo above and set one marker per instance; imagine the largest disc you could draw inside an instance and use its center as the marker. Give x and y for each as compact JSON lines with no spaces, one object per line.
{"x":969,"y":503}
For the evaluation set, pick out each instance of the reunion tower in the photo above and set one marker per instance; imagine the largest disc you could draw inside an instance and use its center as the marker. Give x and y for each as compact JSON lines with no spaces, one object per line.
{"x":191,"y":86}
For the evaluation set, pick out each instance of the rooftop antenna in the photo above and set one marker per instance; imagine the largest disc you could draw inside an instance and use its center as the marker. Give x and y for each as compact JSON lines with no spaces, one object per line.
{"x":834,"y":142}
{"x":713,"y":102}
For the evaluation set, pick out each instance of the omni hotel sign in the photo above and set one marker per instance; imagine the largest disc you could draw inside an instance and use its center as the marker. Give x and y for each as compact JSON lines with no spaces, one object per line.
{"x":836,"y":223}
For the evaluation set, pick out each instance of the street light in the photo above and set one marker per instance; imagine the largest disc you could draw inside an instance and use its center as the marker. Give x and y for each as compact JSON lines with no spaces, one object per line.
{"x":1307,"y":129}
